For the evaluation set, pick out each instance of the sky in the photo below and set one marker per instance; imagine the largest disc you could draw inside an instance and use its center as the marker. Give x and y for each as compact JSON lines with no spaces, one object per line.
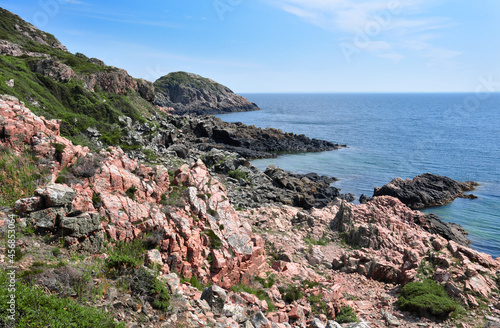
{"x":255,"y":46}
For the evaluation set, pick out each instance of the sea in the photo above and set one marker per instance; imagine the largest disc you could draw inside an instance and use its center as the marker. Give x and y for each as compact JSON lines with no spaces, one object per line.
{"x":397,"y":135}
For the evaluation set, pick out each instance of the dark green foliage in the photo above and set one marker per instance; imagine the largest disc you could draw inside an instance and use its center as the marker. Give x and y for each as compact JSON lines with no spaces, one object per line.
{"x":310,"y":284}
{"x":96,"y":199}
{"x":59,"y":147}
{"x":18,"y":253}
{"x":291,"y":293}
{"x":426,"y":297}
{"x":215,"y":241}
{"x":131,"y":192}
{"x":346,"y":314}
{"x":125,"y":256}
{"x":146,"y":284}
{"x":318,"y":304}
{"x":61,"y":179}
{"x":193,"y":281}
{"x":237,"y":174}
{"x":36,"y":309}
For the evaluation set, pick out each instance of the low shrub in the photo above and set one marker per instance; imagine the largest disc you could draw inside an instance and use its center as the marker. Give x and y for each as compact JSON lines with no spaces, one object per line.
{"x":291,"y":293}
{"x":215,"y":241}
{"x":346,"y":314}
{"x":426,"y":297}
{"x":144,"y":283}
{"x":237,"y":174}
{"x":131,"y":192}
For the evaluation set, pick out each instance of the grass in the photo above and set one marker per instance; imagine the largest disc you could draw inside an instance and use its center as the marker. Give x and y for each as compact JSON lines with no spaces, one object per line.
{"x":34,"y":309}
{"x":237,"y":174}
{"x":19,"y":176}
{"x":426,"y":297}
{"x":323,"y":241}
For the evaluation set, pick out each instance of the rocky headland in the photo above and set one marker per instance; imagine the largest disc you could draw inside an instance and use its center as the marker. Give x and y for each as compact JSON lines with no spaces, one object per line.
{"x":190,"y":93}
{"x":131,"y":216}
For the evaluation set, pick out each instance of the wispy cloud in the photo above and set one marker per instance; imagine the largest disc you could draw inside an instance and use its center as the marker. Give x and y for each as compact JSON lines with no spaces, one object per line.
{"x":404,"y":26}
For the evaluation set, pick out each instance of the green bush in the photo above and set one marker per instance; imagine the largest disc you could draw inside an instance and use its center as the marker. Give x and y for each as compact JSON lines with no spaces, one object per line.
{"x":146,"y":284}
{"x":96,"y":200}
{"x":61,"y":179}
{"x":34,"y":308}
{"x":125,"y":256}
{"x":426,"y":297}
{"x":215,"y":241}
{"x":346,"y":314}
{"x":237,"y":174}
{"x":291,"y":293}
{"x":131,"y":192}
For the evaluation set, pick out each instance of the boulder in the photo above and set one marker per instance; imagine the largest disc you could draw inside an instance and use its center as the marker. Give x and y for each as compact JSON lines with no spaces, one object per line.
{"x":56,"y":195}
{"x":215,"y":297}
{"x":425,"y":190}
{"x":81,"y":225}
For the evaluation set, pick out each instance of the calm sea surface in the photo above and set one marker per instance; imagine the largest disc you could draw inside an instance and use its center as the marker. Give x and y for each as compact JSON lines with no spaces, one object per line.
{"x":397,"y":135}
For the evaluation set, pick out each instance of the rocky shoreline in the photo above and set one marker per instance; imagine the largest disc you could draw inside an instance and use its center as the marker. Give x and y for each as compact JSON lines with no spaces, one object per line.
{"x":209,"y":225}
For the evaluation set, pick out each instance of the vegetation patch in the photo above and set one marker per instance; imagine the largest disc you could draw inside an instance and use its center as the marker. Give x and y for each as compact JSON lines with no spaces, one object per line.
{"x":426,"y":297}
{"x":237,"y":174}
{"x":260,"y":293}
{"x":291,"y":293}
{"x":215,"y":241}
{"x":34,"y":308}
{"x":19,"y":176}
{"x":346,"y":314}
{"x":131,"y":192}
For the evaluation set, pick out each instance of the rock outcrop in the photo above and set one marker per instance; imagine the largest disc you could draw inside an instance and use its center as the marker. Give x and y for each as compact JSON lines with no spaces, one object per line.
{"x":19,"y":29}
{"x":54,"y":69}
{"x":395,"y":248}
{"x":191,"y":93}
{"x":191,"y":213}
{"x":426,"y":190}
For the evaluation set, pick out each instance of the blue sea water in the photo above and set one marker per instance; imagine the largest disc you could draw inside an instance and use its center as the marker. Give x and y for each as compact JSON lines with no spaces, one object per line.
{"x":397,"y":135}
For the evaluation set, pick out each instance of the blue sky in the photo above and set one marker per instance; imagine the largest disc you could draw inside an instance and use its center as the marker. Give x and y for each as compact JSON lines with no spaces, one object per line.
{"x":286,"y":45}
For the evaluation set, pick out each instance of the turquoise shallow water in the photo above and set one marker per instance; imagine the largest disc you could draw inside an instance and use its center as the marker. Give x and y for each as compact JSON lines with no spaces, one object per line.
{"x":397,"y":135}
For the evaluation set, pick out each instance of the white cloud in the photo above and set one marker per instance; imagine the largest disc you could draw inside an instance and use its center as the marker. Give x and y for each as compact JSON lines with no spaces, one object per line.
{"x":402,"y":25}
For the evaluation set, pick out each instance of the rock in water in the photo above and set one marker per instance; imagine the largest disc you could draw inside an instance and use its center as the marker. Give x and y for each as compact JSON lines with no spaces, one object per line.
{"x":425,"y":190}
{"x":191,"y":93}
